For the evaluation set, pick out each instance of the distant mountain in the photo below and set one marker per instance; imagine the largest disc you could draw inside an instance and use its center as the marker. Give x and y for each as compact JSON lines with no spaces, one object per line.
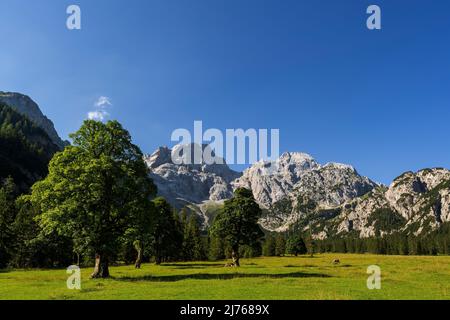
{"x":296,"y":192}
{"x":415,"y":203}
{"x":294,"y":183}
{"x":26,"y":106}
{"x":281,"y":187}
{"x":25,"y":148}
{"x":193,"y":183}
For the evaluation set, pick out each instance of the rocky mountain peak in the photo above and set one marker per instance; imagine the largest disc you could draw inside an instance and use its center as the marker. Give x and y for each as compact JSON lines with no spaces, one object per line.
{"x":26,"y":106}
{"x":295,"y":190}
{"x":294,"y":178}
{"x":185,"y":184}
{"x":295,"y":172}
{"x":414,"y":203}
{"x":164,"y":156}
{"x":161,"y":156}
{"x":339,"y":166}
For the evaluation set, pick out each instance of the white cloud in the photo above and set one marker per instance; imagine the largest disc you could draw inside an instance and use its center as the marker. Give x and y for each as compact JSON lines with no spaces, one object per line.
{"x":103,"y":102}
{"x":99,"y":113}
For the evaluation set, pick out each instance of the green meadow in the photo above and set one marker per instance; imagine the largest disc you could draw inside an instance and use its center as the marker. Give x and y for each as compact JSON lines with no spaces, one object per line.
{"x":291,"y":278}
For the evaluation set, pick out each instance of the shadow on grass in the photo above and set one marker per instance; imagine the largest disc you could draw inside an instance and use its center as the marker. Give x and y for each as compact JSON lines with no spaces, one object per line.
{"x":192,"y":265}
{"x":222,"y":276}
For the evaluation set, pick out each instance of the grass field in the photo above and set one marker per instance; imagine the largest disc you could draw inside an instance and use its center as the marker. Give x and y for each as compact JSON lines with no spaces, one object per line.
{"x":403,"y":277}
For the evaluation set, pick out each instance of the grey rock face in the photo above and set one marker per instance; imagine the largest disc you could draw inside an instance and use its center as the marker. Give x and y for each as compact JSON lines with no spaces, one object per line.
{"x":282,"y":187}
{"x":414,"y":203}
{"x":184,"y":184}
{"x":331,"y":199}
{"x":274,"y":181}
{"x":26,"y":106}
{"x":296,"y":185}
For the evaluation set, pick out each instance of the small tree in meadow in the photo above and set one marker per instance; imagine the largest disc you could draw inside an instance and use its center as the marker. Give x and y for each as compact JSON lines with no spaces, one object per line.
{"x":166,"y":236}
{"x":295,"y":245}
{"x":237,"y":223}
{"x":280,"y":245}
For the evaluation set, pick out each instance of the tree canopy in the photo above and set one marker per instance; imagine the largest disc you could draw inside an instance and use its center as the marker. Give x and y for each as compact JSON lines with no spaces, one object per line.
{"x":167,"y":235}
{"x":237,"y":223}
{"x":25,"y":149}
{"x":96,"y":189}
{"x":295,"y":245}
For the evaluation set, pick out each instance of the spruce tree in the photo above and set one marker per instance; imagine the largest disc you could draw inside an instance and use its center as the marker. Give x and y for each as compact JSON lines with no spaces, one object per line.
{"x":269,"y":246}
{"x":194,"y":234}
{"x":7,"y":216}
{"x":166,"y":237}
{"x":280,"y":245}
{"x":295,"y":245}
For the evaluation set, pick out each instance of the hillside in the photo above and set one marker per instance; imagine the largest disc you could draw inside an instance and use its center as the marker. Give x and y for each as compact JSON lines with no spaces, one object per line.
{"x":297,"y":192}
{"x":414,"y":204}
{"x":24,"y":105}
{"x":25,"y":148}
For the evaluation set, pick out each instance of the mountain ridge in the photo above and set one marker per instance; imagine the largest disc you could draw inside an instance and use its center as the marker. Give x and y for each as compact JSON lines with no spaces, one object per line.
{"x":200,"y":186}
{"x":296,"y":191}
{"x":25,"y":148}
{"x":414,"y":203}
{"x":27,"y":107}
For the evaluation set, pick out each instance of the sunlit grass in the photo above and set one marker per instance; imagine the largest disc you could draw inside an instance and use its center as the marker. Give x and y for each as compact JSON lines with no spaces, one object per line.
{"x":403,"y":277}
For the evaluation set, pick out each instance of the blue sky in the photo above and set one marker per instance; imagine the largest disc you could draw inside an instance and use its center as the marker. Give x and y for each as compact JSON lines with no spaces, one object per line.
{"x":379,"y":100}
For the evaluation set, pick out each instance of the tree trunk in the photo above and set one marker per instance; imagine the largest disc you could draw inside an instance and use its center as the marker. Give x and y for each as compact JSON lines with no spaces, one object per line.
{"x":235,"y":256}
{"x":101,"y":269}
{"x":138,"y":262}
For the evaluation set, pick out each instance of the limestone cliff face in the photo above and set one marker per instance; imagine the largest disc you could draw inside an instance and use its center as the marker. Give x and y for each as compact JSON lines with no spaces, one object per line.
{"x":183,"y":184}
{"x":296,"y":184}
{"x":26,"y":106}
{"x":274,"y":181}
{"x":284,"y":188}
{"x":414,"y":203}
{"x":295,"y":190}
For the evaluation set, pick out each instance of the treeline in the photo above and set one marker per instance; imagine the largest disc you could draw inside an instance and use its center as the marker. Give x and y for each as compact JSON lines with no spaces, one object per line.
{"x":97,"y":206}
{"x":177,"y":236}
{"x":172,"y":236}
{"x":434,"y":243}
{"x":25,"y":149}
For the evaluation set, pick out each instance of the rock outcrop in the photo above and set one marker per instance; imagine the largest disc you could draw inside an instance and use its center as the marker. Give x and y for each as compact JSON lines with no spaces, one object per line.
{"x":414,"y":203}
{"x":286,"y":188}
{"x":295,"y":184}
{"x":296,"y":191}
{"x":184,"y":184}
{"x":27,"y":107}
